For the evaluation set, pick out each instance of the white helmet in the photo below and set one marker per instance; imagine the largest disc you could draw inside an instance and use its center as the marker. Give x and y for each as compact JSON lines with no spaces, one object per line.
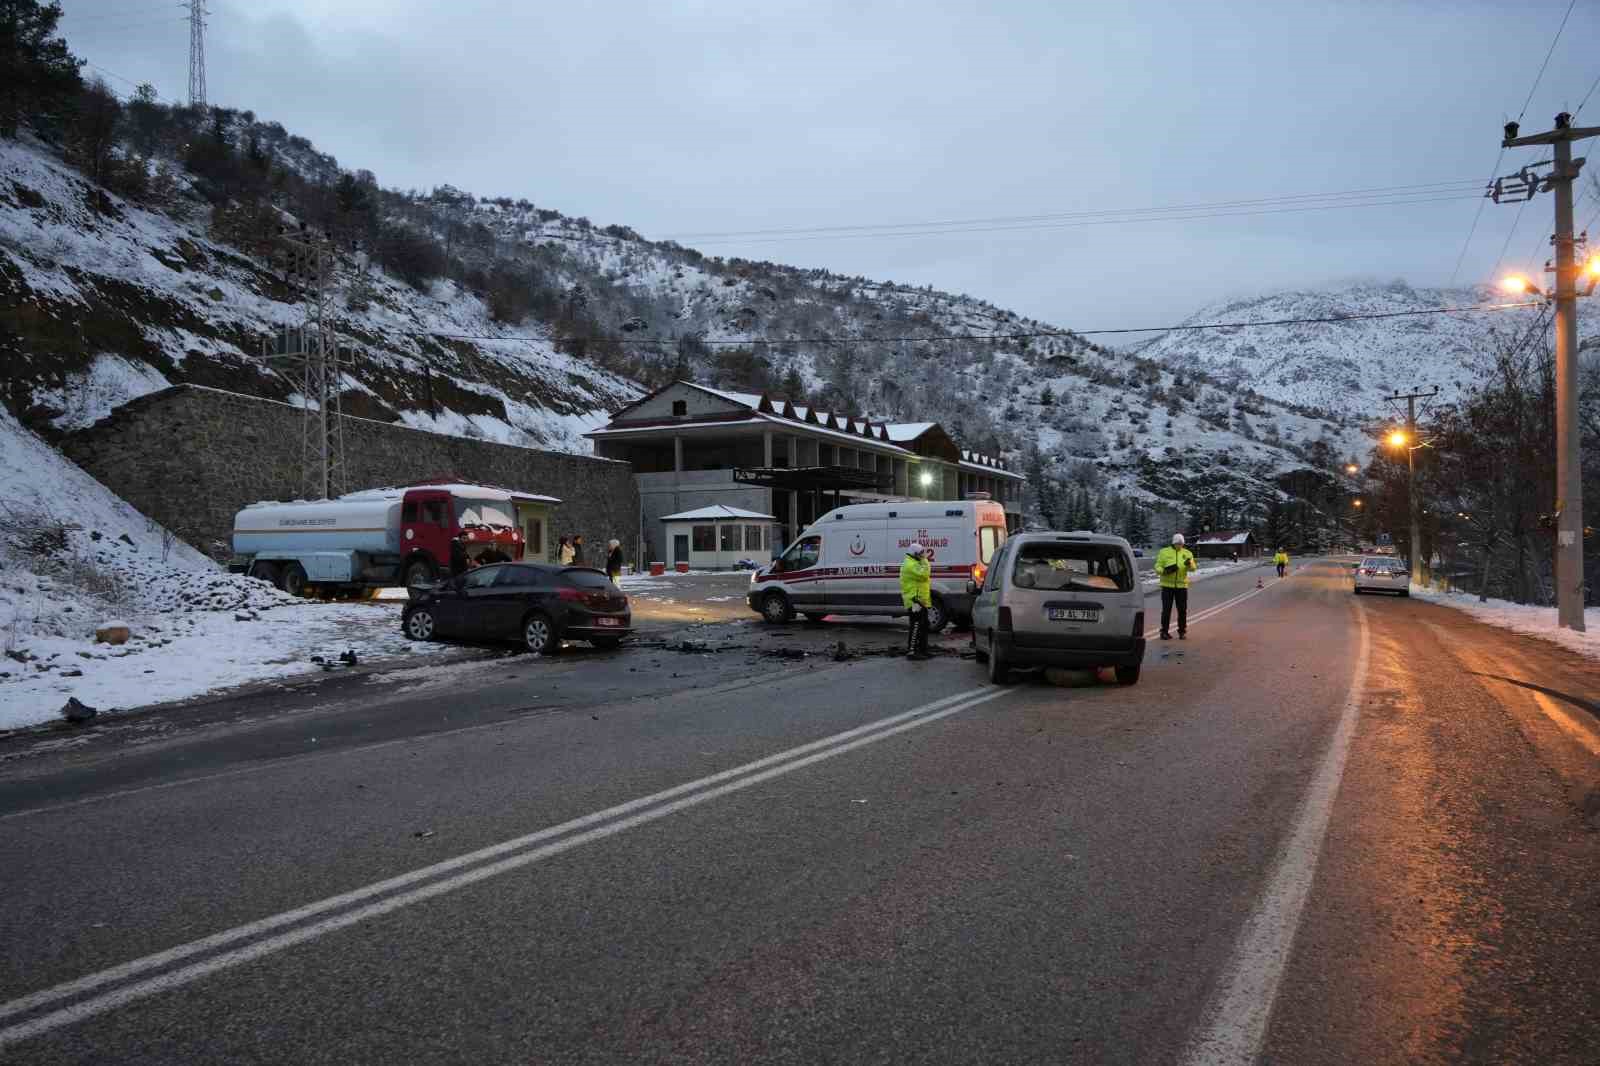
{"x":1177,"y":539}
{"x":916,"y":548}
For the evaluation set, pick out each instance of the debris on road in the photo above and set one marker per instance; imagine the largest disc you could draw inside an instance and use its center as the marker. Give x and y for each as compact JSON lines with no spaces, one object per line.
{"x":77,"y":712}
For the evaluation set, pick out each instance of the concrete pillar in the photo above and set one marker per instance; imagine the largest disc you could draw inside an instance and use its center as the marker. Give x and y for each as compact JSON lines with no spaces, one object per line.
{"x":677,"y":455}
{"x":766,"y":443}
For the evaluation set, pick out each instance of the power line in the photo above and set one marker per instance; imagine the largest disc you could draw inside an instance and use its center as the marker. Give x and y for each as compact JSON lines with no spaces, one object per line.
{"x":126,"y":12}
{"x":1386,"y":190}
{"x":1078,"y":224}
{"x":1478,"y":215}
{"x":1595,"y":85}
{"x":1018,"y":335}
{"x":1537,"y":78}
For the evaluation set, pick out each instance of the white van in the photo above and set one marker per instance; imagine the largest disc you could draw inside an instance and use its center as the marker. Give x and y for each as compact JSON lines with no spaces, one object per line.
{"x":848,"y":561}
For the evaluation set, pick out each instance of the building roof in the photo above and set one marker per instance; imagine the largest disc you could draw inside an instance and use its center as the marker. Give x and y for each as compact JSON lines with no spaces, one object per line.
{"x":904,"y":431}
{"x":1224,"y":536}
{"x":463,"y":490}
{"x":718,"y":512}
{"x":781,"y":412}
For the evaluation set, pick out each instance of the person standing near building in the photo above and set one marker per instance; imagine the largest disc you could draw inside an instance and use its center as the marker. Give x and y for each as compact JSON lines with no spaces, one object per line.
{"x":1173,"y":564}
{"x":564,"y":551}
{"x":577,"y":550}
{"x":614,"y":560}
{"x":916,"y":594}
{"x":1281,"y":561}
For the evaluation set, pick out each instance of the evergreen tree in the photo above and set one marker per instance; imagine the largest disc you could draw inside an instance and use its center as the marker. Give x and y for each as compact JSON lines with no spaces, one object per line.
{"x":1087,"y":519}
{"x":793,"y":386}
{"x":39,"y":79}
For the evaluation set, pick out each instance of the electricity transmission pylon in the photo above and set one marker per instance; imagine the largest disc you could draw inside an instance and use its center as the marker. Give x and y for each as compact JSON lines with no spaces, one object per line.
{"x":197,"y":52}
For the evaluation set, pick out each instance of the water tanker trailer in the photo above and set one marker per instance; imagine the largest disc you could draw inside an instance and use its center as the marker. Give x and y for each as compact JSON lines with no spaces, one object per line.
{"x":381,"y":537}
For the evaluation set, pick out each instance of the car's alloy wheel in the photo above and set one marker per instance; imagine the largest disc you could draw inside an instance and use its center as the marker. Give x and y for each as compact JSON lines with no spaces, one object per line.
{"x":419,"y":624}
{"x":999,"y":671}
{"x":538,"y":635}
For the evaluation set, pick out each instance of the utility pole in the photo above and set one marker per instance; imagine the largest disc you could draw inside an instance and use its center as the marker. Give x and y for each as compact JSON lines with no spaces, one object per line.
{"x":197,"y":52}
{"x":308,"y":264}
{"x":1570,"y":585}
{"x":1411,"y":444}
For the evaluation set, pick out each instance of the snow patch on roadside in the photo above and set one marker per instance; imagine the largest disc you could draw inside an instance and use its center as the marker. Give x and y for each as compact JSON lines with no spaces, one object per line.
{"x":74,"y":559}
{"x":1522,"y":618}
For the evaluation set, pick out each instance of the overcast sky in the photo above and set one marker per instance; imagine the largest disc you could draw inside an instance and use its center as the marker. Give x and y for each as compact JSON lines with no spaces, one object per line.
{"x":689,"y":118}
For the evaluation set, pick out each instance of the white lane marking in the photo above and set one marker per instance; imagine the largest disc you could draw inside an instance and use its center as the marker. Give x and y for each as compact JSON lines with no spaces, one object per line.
{"x":242,"y":932}
{"x":177,"y":978}
{"x":1237,"y":1020}
{"x":1568,"y":724}
{"x":1211,"y":611}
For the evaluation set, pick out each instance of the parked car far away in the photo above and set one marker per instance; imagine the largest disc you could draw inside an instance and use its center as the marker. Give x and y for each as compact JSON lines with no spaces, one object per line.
{"x":1060,"y":599}
{"x":1381,"y":573}
{"x":536,"y":605}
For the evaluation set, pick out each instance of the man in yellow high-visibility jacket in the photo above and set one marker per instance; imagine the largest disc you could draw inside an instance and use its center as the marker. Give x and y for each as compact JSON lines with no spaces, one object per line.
{"x":916,"y":594}
{"x":1281,"y":561}
{"x":1173,"y":564}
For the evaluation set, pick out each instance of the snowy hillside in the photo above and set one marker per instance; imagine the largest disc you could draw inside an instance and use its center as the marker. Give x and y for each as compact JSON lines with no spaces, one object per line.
{"x":75,"y":558}
{"x":108,"y":301}
{"x":1349,"y":366}
{"x":502,"y":319}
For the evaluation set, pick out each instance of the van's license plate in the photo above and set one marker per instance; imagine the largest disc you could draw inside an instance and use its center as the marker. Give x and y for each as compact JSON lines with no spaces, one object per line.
{"x":1074,"y":614}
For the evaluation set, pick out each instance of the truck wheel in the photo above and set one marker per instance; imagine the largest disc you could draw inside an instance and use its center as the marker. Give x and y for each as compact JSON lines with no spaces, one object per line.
{"x":539,"y":635}
{"x":418,"y":624}
{"x":775,"y":608}
{"x":293,"y":580}
{"x":419,"y":573}
{"x":938,"y":617}
{"x":264,"y":571}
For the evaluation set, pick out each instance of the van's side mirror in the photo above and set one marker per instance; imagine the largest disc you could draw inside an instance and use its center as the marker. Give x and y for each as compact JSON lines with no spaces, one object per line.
{"x":972,"y":587}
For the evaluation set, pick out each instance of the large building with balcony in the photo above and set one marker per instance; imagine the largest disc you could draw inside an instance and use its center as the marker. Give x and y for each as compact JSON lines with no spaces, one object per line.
{"x":695,"y":447}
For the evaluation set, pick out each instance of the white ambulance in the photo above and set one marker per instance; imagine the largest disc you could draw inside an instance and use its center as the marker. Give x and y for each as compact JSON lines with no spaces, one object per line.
{"x":848,"y":561}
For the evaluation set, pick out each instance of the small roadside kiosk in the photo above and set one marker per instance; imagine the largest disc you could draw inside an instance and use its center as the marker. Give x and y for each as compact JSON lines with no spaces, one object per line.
{"x":1225,"y":543}
{"x":717,"y":537}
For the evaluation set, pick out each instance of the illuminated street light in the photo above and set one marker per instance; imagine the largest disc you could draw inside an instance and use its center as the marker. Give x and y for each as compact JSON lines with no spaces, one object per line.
{"x":1397,"y":439}
{"x":1356,"y":502}
{"x":927,"y":478}
{"x":1351,"y":468}
{"x":1517,"y":285}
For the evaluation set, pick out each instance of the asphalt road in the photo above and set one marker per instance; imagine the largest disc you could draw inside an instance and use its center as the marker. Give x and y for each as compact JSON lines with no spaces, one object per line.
{"x":1324,"y":829}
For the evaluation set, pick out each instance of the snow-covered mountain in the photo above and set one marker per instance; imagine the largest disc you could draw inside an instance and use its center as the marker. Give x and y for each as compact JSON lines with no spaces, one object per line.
{"x":1349,"y":366}
{"x":103,"y":300}
{"x":502,"y":319}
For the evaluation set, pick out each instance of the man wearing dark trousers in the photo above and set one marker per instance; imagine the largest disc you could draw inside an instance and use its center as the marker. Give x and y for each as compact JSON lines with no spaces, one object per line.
{"x":1173,"y":564}
{"x":916,"y":594}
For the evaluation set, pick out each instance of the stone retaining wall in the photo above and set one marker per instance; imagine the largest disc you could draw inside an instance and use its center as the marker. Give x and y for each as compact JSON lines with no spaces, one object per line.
{"x":190,"y":457}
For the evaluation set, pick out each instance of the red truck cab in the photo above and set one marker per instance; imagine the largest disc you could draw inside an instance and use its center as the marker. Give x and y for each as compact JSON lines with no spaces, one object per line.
{"x":430,"y":518}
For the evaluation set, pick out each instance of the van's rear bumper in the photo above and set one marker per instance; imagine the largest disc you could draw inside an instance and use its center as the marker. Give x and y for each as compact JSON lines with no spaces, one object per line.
{"x":1040,"y":649}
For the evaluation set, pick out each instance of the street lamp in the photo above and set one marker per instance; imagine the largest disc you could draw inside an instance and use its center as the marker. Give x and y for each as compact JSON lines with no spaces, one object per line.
{"x":1400,"y":439}
{"x":1352,"y":469}
{"x":926,"y":480}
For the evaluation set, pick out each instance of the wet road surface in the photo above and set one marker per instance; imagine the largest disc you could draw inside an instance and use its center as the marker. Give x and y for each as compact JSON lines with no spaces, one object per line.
{"x":1321,"y":830}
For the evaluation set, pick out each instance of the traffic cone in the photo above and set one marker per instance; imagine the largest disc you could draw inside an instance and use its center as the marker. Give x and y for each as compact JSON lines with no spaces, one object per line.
{"x":1258,"y":582}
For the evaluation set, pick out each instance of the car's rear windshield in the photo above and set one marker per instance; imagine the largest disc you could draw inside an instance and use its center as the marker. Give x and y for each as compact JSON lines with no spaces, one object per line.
{"x":586,"y":579}
{"x":1381,"y":564}
{"x":1054,"y":566}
